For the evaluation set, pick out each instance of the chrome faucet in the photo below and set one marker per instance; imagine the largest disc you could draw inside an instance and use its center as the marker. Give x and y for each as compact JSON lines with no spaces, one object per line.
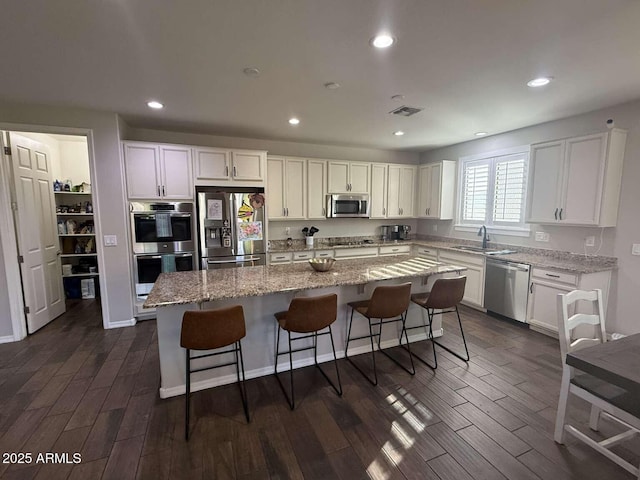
{"x":485,"y":236}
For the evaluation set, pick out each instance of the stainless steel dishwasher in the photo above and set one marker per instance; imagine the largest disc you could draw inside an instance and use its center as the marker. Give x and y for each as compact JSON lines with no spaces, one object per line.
{"x":506,"y":288}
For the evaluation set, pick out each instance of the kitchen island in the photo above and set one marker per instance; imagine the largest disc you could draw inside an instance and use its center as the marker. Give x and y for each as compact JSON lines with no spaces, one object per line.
{"x":265,"y":290}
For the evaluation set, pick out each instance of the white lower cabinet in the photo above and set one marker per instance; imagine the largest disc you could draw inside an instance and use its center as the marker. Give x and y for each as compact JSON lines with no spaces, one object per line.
{"x":395,"y":250}
{"x":276,"y":258}
{"x":474,"y":289}
{"x":358,"y":252}
{"x":546,"y":284}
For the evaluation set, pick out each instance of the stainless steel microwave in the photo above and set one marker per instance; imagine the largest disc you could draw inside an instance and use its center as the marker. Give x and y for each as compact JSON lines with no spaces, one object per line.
{"x":348,"y":206}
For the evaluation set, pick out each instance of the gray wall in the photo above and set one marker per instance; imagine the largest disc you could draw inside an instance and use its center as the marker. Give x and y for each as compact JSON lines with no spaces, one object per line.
{"x":624,"y":300}
{"x":108,"y":190}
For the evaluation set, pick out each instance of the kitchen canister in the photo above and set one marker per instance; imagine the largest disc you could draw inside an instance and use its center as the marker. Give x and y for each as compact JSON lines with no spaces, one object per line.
{"x":309,"y":242}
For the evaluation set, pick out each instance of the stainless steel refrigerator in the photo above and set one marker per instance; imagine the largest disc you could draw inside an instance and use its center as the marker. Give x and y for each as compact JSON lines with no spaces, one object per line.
{"x":231,"y":227}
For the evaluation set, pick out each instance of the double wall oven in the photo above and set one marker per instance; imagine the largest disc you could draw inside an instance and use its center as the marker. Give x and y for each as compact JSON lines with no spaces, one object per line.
{"x":163,"y":239}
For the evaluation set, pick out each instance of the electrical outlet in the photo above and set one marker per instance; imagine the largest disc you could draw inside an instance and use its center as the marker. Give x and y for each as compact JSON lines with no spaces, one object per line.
{"x":110,"y":240}
{"x":542,"y":237}
{"x":590,"y":241}
{"x":635,"y":249}
{"x":287,"y":231}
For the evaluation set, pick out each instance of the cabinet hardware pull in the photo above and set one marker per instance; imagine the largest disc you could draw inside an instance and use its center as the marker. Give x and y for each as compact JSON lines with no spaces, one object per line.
{"x":552,"y":276}
{"x":163,"y":191}
{"x":287,"y":211}
{"x":395,"y":249}
{"x":283,"y":212}
{"x":560,"y":214}
{"x":158,"y":190}
{"x":323,"y":211}
{"x":556,"y":214}
{"x":280,"y":258}
{"x":531,"y":288}
{"x":234,"y":171}
{"x":226,"y":170}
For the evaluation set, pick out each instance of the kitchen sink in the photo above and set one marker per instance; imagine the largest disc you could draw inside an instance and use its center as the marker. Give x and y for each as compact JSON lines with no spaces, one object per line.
{"x":487,"y":251}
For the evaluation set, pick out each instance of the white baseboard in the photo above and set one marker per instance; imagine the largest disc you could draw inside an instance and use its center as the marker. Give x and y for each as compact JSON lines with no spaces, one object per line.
{"x":303,"y":362}
{"x":8,"y":339}
{"x":121,"y":323}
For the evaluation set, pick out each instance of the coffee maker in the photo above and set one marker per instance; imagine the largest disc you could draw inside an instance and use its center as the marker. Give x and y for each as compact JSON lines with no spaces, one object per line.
{"x":395,"y":232}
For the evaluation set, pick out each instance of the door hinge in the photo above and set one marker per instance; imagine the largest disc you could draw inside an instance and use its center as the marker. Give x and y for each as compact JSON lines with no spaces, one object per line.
{"x":7,"y":150}
{"x":27,"y":310}
{"x":20,"y":259}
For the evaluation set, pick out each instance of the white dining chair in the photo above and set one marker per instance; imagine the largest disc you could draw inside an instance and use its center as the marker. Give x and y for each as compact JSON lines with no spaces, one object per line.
{"x":606,"y":400}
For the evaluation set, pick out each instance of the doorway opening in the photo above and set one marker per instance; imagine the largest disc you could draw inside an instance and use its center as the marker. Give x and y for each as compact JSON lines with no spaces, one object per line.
{"x":50,"y":182}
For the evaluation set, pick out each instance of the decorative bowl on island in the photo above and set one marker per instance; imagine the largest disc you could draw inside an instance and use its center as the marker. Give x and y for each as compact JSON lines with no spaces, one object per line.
{"x":322,"y":264}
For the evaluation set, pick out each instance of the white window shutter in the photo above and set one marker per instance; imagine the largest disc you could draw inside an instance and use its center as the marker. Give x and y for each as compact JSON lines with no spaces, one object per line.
{"x":475,"y":190}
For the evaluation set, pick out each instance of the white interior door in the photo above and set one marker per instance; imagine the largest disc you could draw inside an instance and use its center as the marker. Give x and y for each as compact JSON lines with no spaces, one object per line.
{"x":37,"y":232}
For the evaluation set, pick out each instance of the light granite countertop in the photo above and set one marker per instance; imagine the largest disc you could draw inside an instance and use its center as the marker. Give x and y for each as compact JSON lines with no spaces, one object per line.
{"x":552,"y":259}
{"x":208,"y":285}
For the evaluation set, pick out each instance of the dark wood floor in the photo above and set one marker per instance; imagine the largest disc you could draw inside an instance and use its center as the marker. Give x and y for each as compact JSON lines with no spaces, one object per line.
{"x":75,"y":388}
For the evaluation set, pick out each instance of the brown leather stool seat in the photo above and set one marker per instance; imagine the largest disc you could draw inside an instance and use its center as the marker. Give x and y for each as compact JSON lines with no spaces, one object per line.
{"x":210,"y":330}
{"x":388,"y":304}
{"x":307,"y":315}
{"x":445,"y":295}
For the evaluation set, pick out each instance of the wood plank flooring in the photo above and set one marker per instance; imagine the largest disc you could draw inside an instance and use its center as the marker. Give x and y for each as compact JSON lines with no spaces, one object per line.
{"x":75,"y":388}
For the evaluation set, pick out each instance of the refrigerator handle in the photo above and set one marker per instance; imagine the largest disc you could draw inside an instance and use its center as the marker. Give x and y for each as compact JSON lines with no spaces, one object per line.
{"x":233,"y":224}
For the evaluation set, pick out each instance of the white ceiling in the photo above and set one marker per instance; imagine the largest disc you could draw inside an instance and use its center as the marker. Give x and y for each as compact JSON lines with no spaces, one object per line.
{"x":465,"y":61}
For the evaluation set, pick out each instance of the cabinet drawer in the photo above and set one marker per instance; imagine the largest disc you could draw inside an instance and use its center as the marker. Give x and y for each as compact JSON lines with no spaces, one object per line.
{"x":302,"y":256}
{"x":280,"y":257}
{"x":395,"y":249}
{"x":427,"y":252}
{"x":357,"y":252}
{"x":463,"y":258}
{"x":324,"y":253}
{"x":555,"y":276}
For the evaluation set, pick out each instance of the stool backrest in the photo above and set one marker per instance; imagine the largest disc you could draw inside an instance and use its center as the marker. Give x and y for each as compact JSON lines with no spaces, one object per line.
{"x":567,"y":322}
{"x":389,"y":301}
{"x":209,"y":329}
{"x":310,"y":314}
{"x":446,"y":292}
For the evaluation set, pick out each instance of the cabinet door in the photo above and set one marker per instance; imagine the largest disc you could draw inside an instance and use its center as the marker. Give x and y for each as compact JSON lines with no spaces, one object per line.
{"x":584,"y":171}
{"x":543,"y":304}
{"x":275,"y":188}
{"x":407,"y":190}
{"x":393,"y":192}
{"x":212,"y":164}
{"x":316,"y":189}
{"x":177,"y":175}
{"x":435,"y":191}
{"x":247,"y":166}
{"x":474,"y":288}
{"x":378,"y":191}
{"x":359,"y":177}
{"x":545,"y":182}
{"x":142,"y":172}
{"x":424,"y":191}
{"x":295,"y":192}
{"x":338,"y":177}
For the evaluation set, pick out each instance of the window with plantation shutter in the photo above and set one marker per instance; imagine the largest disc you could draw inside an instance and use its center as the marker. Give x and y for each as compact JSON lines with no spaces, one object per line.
{"x":493,"y":190}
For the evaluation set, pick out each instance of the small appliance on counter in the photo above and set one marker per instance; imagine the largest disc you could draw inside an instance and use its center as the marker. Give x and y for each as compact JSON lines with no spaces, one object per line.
{"x":395,"y":232}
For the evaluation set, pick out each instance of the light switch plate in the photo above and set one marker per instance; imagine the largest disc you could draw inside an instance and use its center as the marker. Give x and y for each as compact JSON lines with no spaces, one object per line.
{"x":110,"y":240}
{"x":635,"y":249}
{"x":590,"y":241}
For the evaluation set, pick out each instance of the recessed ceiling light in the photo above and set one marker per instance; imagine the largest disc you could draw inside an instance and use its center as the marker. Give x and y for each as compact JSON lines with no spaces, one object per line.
{"x":331,"y":85}
{"x":480,"y":134}
{"x":251,"y":72}
{"x":398,"y":133}
{"x":294,"y":121}
{"x":382,"y":41}
{"x":155,"y":104}
{"x":539,"y":82}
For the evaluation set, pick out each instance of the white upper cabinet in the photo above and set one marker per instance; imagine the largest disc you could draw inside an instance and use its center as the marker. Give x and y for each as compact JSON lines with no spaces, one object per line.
{"x":436,"y":190}
{"x":576,"y":181}
{"x":158,"y":171}
{"x":217,"y":166}
{"x":348,"y":177}
{"x":316,"y":189}
{"x":286,"y":192}
{"x":400,"y":191}
{"x":378,"y":198}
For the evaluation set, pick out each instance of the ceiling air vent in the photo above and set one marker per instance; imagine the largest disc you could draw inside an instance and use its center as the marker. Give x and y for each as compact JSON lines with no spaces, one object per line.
{"x":405,"y":111}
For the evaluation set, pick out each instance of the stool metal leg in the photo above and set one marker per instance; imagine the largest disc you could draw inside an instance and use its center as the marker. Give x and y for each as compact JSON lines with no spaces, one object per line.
{"x":338,"y":389}
{"x":408,"y":348}
{"x":373,"y":382}
{"x":290,"y":400}
{"x":463,"y":340}
{"x":430,"y":314}
{"x":187,"y":395}
{"x":241,"y":383}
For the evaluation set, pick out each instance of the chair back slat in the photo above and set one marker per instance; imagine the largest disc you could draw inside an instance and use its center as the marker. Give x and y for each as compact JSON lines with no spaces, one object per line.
{"x":389,"y":301}
{"x":566,"y":323}
{"x":310,"y":314}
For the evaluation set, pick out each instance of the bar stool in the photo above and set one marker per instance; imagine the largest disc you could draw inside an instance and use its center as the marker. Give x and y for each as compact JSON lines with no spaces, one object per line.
{"x":388,"y":304}
{"x":209,"y":330}
{"x":307,"y":315}
{"x":445,"y":295}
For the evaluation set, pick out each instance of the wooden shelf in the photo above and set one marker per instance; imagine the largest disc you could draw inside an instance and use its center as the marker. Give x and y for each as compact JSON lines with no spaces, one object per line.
{"x":69,"y":255}
{"x":93,"y":274}
{"x":76,"y":234}
{"x":72,"y":193}
{"x":80,"y":214}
